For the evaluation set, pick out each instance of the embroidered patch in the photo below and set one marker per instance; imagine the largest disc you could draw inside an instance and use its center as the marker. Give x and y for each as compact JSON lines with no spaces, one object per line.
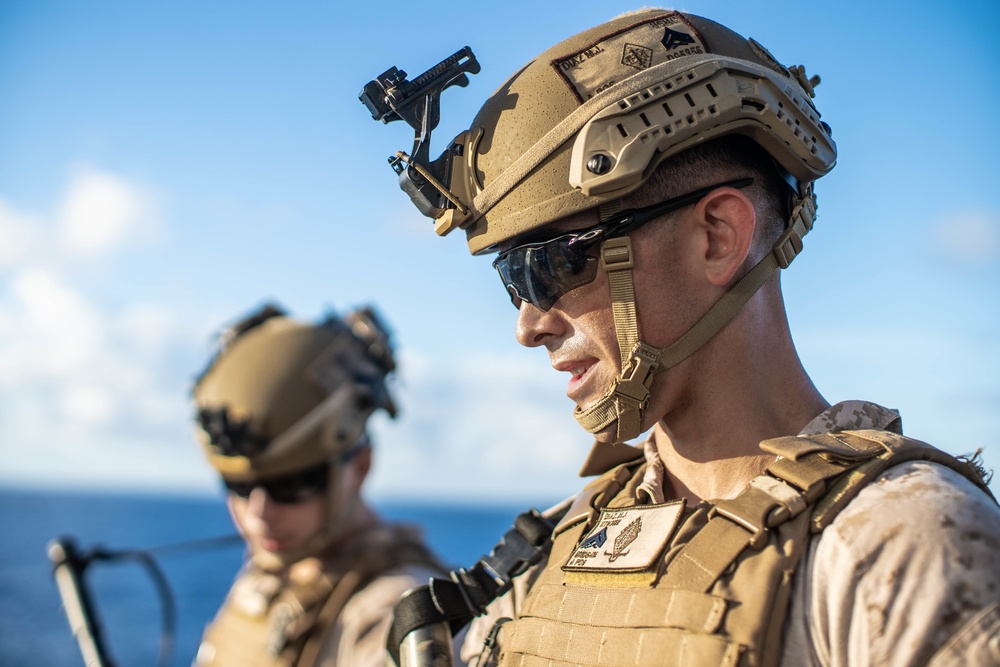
{"x":621,"y":54}
{"x":637,"y":56}
{"x":597,"y":540}
{"x":629,"y":539}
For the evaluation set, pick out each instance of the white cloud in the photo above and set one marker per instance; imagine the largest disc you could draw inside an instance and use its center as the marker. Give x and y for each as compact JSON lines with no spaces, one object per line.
{"x":17,"y":231}
{"x":972,"y":237}
{"x":56,"y":332}
{"x":147,"y":327}
{"x":96,"y":394}
{"x":90,"y":393}
{"x":91,"y":405}
{"x":100,"y":212}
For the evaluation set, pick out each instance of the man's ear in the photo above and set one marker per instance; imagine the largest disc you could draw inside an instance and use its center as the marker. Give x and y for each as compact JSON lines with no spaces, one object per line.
{"x":727,"y":219}
{"x":362,"y":463}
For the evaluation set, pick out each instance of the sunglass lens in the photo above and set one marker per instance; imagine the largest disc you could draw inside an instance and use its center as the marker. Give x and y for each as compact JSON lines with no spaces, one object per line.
{"x":541,"y":274}
{"x":239,"y":489}
{"x":288,"y":493}
{"x":286,"y":490}
{"x":514,"y":298}
{"x":525,"y":276}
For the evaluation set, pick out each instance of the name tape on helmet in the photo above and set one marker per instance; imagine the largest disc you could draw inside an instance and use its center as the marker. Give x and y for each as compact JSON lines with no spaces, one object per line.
{"x":625,"y":52}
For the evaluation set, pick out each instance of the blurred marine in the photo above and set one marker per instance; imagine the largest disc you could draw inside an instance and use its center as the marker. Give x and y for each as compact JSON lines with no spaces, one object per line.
{"x":641,"y":185}
{"x":281,"y":414}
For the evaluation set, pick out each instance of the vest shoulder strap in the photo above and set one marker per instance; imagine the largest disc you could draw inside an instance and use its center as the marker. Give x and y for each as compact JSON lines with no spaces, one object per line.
{"x":598,"y":493}
{"x":387,"y":547}
{"x":895,"y":449}
{"x":818,"y":473}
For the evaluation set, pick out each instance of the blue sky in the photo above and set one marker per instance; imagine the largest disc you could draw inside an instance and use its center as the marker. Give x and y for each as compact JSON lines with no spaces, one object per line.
{"x":165,"y":167}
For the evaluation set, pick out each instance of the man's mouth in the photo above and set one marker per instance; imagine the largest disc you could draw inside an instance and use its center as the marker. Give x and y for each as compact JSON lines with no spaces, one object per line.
{"x":580,"y":371}
{"x":273,"y":543}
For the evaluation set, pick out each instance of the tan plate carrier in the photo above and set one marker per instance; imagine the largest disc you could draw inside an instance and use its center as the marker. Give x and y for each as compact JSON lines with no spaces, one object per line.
{"x":719,"y":591}
{"x":293,"y":623}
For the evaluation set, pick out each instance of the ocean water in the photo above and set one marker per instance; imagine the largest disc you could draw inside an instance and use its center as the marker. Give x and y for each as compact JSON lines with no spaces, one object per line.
{"x":33,"y":628}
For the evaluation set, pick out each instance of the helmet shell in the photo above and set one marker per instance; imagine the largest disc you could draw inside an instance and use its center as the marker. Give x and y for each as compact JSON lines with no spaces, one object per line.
{"x":284,"y":396}
{"x":638,"y":63}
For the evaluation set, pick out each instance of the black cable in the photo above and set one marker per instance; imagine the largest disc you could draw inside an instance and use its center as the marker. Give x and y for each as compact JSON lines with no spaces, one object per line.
{"x":203,"y":544}
{"x":168,"y":604}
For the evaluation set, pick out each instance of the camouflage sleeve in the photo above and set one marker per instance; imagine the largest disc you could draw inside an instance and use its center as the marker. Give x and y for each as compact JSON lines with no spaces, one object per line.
{"x":359,"y":634}
{"x":906,"y":575}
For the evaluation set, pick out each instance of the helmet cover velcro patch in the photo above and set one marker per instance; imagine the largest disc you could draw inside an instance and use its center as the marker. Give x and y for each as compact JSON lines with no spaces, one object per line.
{"x":625,"y":52}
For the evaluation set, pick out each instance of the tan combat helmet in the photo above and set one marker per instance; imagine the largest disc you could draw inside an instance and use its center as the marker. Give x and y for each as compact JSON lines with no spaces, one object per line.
{"x":587,"y":122}
{"x":282,"y":397}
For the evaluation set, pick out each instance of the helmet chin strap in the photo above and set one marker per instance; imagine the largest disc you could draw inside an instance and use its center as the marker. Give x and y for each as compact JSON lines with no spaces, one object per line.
{"x":624,"y":404}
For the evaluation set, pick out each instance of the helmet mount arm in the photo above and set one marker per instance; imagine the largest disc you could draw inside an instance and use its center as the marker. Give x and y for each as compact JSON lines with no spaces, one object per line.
{"x":390,"y":97}
{"x":411,"y":185}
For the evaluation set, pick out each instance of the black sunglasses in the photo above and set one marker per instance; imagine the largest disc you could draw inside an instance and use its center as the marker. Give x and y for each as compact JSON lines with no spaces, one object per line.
{"x":288,"y":490}
{"x":542,"y":272}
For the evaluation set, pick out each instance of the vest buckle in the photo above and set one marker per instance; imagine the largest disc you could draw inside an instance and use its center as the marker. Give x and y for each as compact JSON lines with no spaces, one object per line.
{"x":757,"y":509}
{"x":758,"y":533}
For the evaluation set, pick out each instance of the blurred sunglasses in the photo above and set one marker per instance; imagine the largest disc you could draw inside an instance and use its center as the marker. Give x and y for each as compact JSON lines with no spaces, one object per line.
{"x":288,"y":490}
{"x":541,"y":273}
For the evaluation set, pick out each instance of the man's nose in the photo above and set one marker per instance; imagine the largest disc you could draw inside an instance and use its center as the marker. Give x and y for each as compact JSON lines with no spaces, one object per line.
{"x":260,"y":503}
{"x":534,"y":327}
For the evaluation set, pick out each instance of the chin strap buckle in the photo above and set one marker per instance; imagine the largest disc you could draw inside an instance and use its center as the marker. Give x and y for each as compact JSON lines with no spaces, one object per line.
{"x":632,"y":390}
{"x":789,"y":244}
{"x":633,"y":385}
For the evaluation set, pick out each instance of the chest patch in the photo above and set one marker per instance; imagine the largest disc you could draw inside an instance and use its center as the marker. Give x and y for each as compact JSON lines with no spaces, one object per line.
{"x":629,"y":539}
{"x":618,"y":56}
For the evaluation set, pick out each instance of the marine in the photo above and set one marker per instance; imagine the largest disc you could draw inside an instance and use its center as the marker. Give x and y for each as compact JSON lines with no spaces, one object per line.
{"x":736,"y":517}
{"x":281,"y":414}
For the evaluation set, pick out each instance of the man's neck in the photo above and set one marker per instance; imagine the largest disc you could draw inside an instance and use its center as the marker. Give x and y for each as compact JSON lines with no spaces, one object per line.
{"x":737,"y":394}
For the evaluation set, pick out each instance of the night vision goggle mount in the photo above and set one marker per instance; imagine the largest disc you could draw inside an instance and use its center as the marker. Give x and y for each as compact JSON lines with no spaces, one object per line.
{"x":391,"y":97}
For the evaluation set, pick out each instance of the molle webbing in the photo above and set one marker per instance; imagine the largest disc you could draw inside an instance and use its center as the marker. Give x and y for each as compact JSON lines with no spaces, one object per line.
{"x":720,"y":591}
{"x":404,"y":549}
{"x":291,"y":625}
{"x":628,"y":607}
{"x":872,"y":451}
{"x":595,"y":646}
{"x":824,"y":471}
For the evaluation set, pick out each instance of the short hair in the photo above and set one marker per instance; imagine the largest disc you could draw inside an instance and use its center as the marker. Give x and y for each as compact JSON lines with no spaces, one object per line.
{"x":721,"y":159}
